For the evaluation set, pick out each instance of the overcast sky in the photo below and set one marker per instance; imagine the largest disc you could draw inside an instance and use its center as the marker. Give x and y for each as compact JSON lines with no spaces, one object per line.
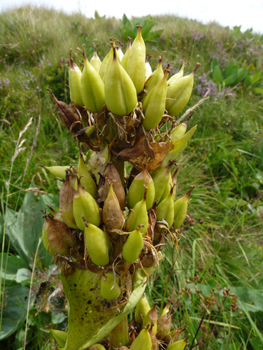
{"x":248,"y":14}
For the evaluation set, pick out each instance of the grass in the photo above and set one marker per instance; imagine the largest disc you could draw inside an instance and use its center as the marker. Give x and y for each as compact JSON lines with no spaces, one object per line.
{"x":224,"y":161}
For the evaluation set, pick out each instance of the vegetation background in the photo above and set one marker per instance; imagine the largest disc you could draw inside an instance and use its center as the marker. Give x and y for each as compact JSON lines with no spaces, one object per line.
{"x":222,"y":238}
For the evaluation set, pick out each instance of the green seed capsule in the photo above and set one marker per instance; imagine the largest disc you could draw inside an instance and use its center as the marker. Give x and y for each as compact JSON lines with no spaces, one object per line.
{"x":167,"y":188}
{"x":57,"y":171}
{"x":95,"y":60}
{"x":120,"y":92}
{"x":165,"y":210}
{"x":142,"y":310}
{"x":177,"y":75}
{"x":154,"y":104}
{"x":110,"y":289}
{"x":142,"y":341}
{"x":120,"y":334}
{"x":156,"y":76}
{"x":136,"y":62}
{"x":86,"y":179}
{"x":92,"y":87}
{"x":97,"y":347}
{"x":179,"y":93}
{"x":178,"y":345}
{"x":75,"y":82}
{"x":180,"y":209}
{"x":137,"y":189}
{"x":127,"y":54}
{"x":161,"y":180}
{"x":138,"y":216}
{"x":97,"y":244}
{"x":133,"y":246}
{"x":85,"y":205}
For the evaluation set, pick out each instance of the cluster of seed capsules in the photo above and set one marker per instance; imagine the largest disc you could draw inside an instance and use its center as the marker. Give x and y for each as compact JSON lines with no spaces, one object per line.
{"x":146,"y":331}
{"x":114,"y":218}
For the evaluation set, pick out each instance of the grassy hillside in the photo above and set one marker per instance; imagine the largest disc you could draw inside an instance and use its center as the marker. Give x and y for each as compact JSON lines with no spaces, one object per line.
{"x":224,"y":161}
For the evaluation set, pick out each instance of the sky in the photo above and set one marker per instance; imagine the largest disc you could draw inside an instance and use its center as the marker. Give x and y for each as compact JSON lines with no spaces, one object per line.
{"x":247,"y":14}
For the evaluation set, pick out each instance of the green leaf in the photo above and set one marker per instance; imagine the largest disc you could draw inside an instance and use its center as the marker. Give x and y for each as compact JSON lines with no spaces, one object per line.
{"x":241,"y":74}
{"x":250,"y":297}
{"x":14,"y":313}
{"x":229,"y":74}
{"x":61,"y":337}
{"x":217,"y":75}
{"x":214,"y":63}
{"x":258,"y":90}
{"x":26,"y":229}
{"x":11,"y":266}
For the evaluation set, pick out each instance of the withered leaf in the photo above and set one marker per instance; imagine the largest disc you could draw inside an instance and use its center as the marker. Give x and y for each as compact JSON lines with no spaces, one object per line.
{"x":152,"y":155}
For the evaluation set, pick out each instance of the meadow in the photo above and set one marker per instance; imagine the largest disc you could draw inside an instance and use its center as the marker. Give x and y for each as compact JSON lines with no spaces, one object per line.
{"x":221,"y":246}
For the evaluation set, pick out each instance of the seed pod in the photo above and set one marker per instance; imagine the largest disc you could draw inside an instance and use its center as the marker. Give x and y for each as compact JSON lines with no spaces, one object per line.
{"x":165,"y":210}
{"x":150,"y":318}
{"x":106,"y":62}
{"x":156,"y":76}
{"x":167,"y":189}
{"x":137,"y":189}
{"x":66,"y":196}
{"x":161,"y":179}
{"x":119,"y":334}
{"x":109,"y":287}
{"x":178,"y":345}
{"x":127,"y":54}
{"x":97,"y":244}
{"x":133,"y":246}
{"x":74,"y":76}
{"x":179,"y":131}
{"x":44,"y":233}
{"x":112,"y":176}
{"x":136,"y":62}
{"x":92,"y":87}
{"x":177,"y":75}
{"x":138,"y":216}
{"x":112,"y":214}
{"x":143,"y":341}
{"x":95,"y":60}
{"x":85,"y":205}
{"x":86,"y":179}
{"x":154,"y":104}
{"x":180,"y":209}
{"x":142,"y":310}
{"x":57,"y":171}
{"x":57,"y":236}
{"x":97,"y":347}
{"x":164,"y":323}
{"x":120,"y":92}
{"x":179,"y":93}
